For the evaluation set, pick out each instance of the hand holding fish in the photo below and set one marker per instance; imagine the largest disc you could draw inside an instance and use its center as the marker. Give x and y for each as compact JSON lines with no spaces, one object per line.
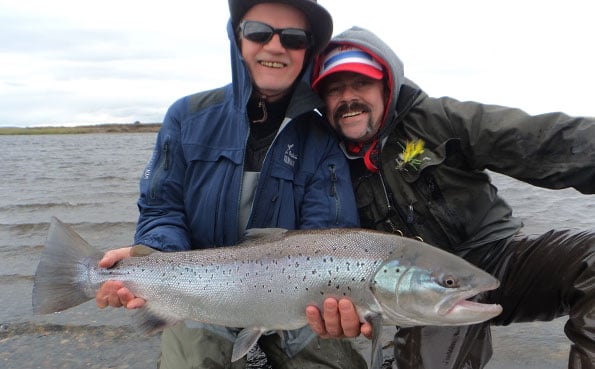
{"x":113,"y":293}
{"x":339,"y":319}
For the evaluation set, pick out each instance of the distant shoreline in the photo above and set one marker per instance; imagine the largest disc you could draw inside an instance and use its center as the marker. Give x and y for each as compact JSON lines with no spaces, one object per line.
{"x":99,"y":128}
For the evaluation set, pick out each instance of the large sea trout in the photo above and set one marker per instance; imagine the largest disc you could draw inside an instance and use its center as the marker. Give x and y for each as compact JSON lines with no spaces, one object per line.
{"x":266,"y":282}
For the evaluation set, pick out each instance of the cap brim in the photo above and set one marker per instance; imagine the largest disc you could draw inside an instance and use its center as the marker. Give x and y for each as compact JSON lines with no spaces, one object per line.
{"x":366,"y":70}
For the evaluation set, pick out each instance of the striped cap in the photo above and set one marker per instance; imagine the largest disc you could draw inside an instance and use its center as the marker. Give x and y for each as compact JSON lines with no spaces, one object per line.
{"x":343,"y":58}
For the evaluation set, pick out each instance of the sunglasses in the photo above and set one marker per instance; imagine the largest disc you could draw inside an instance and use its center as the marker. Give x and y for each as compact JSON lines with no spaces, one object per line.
{"x":261,"y":33}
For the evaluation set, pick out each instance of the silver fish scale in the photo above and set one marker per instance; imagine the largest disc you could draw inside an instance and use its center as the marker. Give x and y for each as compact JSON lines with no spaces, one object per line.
{"x":276,"y":277}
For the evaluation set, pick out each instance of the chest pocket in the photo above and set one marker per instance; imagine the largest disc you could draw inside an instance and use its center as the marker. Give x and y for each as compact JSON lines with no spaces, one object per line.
{"x":420,"y":192}
{"x":281,"y":191}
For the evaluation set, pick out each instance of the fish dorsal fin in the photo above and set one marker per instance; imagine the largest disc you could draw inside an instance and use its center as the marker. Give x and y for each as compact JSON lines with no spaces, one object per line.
{"x":245,"y":341}
{"x":262,"y":235}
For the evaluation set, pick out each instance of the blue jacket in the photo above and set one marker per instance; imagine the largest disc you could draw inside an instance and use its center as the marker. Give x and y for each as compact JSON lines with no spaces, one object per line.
{"x":190,"y":190}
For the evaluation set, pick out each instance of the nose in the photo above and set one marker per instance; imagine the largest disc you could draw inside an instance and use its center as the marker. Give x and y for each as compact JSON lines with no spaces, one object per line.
{"x":274,"y":43}
{"x":347,"y":92}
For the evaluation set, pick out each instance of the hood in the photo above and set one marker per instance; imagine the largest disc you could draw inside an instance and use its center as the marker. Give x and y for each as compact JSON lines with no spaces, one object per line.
{"x":320,"y":20}
{"x":303,"y":98}
{"x":369,"y":42}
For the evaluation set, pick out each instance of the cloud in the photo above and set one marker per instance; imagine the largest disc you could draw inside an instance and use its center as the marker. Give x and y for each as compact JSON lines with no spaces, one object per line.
{"x":65,"y":62}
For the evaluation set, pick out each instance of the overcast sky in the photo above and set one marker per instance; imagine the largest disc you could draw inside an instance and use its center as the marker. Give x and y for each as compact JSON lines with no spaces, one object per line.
{"x":66,"y":62}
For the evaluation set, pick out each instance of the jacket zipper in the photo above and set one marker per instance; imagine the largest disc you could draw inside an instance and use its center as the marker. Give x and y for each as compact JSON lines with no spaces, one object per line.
{"x":162,"y":167}
{"x":333,"y":193}
{"x":408,"y":218}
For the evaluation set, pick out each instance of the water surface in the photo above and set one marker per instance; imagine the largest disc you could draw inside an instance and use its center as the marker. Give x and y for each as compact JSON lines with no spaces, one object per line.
{"x":91,"y":182}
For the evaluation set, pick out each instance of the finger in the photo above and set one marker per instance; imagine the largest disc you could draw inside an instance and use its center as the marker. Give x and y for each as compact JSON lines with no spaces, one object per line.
{"x":101,"y":296}
{"x":114,"y":301}
{"x":349,"y":318}
{"x":367,"y":330}
{"x":135,"y":303}
{"x":101,"y":301}
{"x":112,"y":256}
{"x":125,"y":295}
{"x":332,"y":318}
{"x":109,"y":288}
{"x":129,"y":300}
{"x":315,"y":321}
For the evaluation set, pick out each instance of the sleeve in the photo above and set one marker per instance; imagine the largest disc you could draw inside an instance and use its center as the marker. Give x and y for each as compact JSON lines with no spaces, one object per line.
{"x":551,"y":150}
{"x":162,"y":221}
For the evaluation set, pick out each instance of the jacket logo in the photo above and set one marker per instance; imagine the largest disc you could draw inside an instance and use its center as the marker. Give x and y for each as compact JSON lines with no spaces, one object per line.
{"x":290,"y":157}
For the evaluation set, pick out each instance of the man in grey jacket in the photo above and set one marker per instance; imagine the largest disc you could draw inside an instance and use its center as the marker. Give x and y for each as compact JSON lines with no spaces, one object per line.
{"x":418,"y":167}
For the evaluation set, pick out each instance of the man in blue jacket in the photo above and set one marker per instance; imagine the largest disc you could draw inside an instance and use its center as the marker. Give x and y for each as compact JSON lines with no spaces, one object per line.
{"x":253,"y":154}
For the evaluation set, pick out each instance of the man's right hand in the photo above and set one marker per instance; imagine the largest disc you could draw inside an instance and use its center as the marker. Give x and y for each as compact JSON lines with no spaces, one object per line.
{"x":113,"y":293}
{"x":338,"y":319}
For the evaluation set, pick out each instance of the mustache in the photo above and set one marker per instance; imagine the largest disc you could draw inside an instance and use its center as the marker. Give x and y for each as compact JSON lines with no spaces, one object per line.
{"x":347,"y":107}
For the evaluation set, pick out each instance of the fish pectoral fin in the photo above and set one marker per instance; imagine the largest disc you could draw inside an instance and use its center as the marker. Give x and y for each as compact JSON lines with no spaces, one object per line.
{"x":377,"y":358}
{"x":245,"y":341}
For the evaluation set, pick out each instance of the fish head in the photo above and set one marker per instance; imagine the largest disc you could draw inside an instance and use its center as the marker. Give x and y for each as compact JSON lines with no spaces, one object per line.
{"x":428,"y":286}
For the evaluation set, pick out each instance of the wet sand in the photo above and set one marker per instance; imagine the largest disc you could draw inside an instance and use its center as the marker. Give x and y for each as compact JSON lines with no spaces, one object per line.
{"x":86,"y":337}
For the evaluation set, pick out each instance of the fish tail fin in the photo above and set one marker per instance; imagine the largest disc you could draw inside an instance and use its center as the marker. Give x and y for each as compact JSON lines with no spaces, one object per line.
{"x":65,"y":260}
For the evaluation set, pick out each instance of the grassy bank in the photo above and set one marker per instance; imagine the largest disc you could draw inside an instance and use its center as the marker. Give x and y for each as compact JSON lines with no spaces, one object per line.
{"x":100,"y":128}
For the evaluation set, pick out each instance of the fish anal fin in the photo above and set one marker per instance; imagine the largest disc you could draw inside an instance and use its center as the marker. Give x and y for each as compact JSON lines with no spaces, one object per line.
{"x":150,"y":322}
{"x":376,"y":321}
{"x":245,"y":341}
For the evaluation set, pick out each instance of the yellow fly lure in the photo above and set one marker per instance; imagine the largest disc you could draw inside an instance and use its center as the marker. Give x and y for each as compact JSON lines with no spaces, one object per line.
{"x":410,"y":155}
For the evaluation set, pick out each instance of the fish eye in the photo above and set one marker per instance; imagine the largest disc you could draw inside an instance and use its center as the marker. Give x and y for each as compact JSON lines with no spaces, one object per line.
{"x":449,"y":281}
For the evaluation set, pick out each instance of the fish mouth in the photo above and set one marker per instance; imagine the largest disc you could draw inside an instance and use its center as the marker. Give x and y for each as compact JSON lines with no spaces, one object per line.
{"x":462,"y":306}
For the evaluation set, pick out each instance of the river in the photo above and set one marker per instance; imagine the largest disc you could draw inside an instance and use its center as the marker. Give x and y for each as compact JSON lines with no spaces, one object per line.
{"x":91,"y":182}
